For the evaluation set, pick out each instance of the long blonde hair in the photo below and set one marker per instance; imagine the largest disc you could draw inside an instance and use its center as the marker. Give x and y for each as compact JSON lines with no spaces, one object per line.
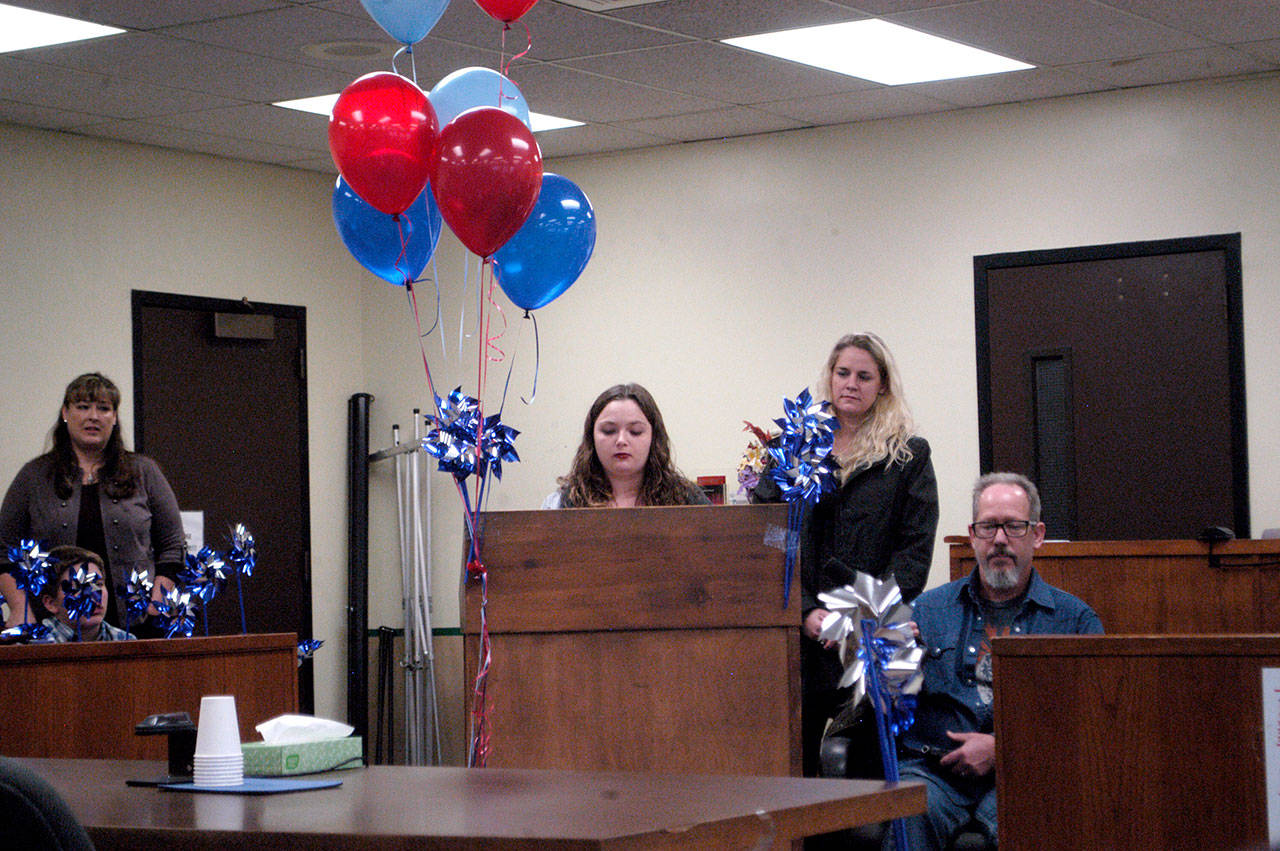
{"x":888,"y":426}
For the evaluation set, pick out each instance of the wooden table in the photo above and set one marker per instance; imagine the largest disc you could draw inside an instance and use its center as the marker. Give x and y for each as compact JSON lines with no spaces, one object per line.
{"x":397,"y":807}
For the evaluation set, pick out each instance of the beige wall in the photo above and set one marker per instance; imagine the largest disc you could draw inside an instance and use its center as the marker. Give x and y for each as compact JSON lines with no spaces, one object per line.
{"x":722,"y":274}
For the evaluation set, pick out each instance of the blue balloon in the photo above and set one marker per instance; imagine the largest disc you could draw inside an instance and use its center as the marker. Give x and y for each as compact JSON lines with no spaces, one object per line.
{"x":407,"y":21}
{"x":373,"y":237}
{"x":551,"y":249}
{"x":471,"y":87}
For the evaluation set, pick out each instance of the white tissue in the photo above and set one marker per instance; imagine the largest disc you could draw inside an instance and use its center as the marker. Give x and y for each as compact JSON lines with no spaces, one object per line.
{"x":298,"y":729}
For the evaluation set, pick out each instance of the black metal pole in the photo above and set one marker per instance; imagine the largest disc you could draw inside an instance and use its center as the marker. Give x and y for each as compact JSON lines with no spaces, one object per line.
{"x":358,"y":566}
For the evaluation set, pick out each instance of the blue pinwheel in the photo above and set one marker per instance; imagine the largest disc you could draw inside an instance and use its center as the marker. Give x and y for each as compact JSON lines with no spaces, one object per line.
{"x":801,"y":469}
{"x":307,"y":648}
{"x":82,"y":594}
{"x":136,"y":596}
{"x":176,"y":613}
{"x":30,"y":567}
{"x":242,"y":557}
{"x":203,"y":577}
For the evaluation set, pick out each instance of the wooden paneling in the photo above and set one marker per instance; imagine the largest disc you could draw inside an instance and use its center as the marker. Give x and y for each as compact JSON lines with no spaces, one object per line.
{"x":1131,"y":742}
{"x":639,"y":639}
{"x":83,"y":700}
{"x":1161,"y":587}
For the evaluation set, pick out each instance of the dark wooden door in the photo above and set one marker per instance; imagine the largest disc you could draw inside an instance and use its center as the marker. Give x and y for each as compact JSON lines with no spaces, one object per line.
{"x":1113,"y":375}
{"x":220,"y":402}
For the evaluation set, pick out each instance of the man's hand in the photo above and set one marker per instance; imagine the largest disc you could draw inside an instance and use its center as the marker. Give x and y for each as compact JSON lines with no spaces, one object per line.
{"x":975,"y":757}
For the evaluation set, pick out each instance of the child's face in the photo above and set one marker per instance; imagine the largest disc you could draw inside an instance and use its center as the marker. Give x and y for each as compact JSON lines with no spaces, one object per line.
{"x":56,"y":602}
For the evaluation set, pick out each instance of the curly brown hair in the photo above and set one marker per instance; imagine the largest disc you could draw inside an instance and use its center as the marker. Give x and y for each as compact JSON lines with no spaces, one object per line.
{"x":586,"y":485}
{"x":119,"y":475}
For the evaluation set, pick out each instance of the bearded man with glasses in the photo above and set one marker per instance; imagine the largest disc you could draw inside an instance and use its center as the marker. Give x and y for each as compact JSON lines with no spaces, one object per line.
{"x":951,"y":746}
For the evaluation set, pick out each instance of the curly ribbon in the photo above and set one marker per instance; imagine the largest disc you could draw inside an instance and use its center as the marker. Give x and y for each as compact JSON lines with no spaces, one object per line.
{"x":800,"y":467}
{"x":882,"y":662}
{"x":465,"y":443}
{"x":307,"y":648}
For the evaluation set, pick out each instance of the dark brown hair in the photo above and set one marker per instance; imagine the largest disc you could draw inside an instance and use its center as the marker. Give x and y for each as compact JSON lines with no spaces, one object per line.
{"x":119,"y":475}
{"x":587,"y":485}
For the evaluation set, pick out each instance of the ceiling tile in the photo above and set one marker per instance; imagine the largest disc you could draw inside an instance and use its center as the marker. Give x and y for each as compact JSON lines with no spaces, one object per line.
{"x":549,"y":31}
{"x":1049,"y":32}
{"x":719,"y":72}
{"x":573,"y":141}
{"x":1172,"y":67}
{"x":883,"y":102}
{"x":1226,"y":21}
{"x":147,"y":14}
{"x":716,"y":124}
{"x":719,"y":19}
{"x":1013,"y":87}
{"x":554,"y":90}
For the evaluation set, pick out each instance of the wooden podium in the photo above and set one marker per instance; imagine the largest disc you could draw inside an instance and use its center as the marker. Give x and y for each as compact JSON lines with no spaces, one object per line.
{"x":639,"y":639}
{"x":83,"y":700}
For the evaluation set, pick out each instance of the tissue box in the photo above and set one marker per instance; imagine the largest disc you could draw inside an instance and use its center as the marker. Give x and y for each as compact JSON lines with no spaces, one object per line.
{"x":264,"y":760}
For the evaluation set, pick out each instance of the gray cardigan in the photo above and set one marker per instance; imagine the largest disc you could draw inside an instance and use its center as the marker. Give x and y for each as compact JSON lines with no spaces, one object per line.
{"x":140,"y":530}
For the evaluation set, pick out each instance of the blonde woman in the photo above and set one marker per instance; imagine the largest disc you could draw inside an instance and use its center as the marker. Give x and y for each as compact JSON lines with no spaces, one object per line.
{"x":880,"y":520}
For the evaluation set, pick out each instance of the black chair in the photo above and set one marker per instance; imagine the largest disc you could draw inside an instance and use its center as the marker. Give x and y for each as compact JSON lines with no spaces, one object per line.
{"x":34,"y":815}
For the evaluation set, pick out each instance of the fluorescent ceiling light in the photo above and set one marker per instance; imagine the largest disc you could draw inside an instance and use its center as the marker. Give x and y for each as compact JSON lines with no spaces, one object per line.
{"x":323,"y":105}
{"x":539,"y":122}
{"x":320,"y":104}
{"x":22,"y":29}
{"x":879,"y":51}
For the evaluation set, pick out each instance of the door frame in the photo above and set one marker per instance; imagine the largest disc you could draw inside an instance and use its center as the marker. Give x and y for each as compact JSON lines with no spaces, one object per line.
{"x":1227,"y":243}
{"x":146,"y":298}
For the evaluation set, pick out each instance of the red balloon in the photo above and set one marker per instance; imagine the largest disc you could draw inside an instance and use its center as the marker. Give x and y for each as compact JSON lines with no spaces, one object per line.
{"x":506,"y":10}
{"x":487,"y":176}
{"x":382,"y":134}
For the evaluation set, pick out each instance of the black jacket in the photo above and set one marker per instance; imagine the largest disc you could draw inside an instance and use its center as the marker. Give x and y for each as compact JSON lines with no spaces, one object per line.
{"x":881,"y":522}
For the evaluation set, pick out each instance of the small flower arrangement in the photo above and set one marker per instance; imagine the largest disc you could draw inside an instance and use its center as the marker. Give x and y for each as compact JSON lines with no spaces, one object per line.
{"x":756,"y":460}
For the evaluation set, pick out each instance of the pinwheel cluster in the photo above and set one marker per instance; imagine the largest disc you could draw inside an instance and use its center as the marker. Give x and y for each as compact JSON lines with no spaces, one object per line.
{"x":800,"y":451}
{"x":881,"y":657}
{"x":462,"y":444}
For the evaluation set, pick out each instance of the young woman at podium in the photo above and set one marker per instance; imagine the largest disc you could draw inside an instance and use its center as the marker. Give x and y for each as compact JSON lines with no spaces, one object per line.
{"x":880,"y":520}
{"x":624,"y":459}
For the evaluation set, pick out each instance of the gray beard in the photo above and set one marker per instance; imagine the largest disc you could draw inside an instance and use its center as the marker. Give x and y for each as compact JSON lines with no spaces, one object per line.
{"x":1001,"y":580}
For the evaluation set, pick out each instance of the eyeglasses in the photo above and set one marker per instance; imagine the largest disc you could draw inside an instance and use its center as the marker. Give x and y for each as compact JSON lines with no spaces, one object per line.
{"x":1012,"y":528}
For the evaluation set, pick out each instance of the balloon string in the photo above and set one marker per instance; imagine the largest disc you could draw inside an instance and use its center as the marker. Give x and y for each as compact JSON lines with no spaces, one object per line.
{"x":417,"y":318}
{"x":413,"y":66}
{"x":404,"y":249}
{"x":537,"y":359}
{"x":505,"y":64}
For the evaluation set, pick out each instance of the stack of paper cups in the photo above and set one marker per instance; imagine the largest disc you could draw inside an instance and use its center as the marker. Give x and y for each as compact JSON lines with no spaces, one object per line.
{"x":218,"y":758}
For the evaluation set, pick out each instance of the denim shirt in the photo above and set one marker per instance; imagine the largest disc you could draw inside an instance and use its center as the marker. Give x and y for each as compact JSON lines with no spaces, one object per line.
{"x":952,"y":630}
